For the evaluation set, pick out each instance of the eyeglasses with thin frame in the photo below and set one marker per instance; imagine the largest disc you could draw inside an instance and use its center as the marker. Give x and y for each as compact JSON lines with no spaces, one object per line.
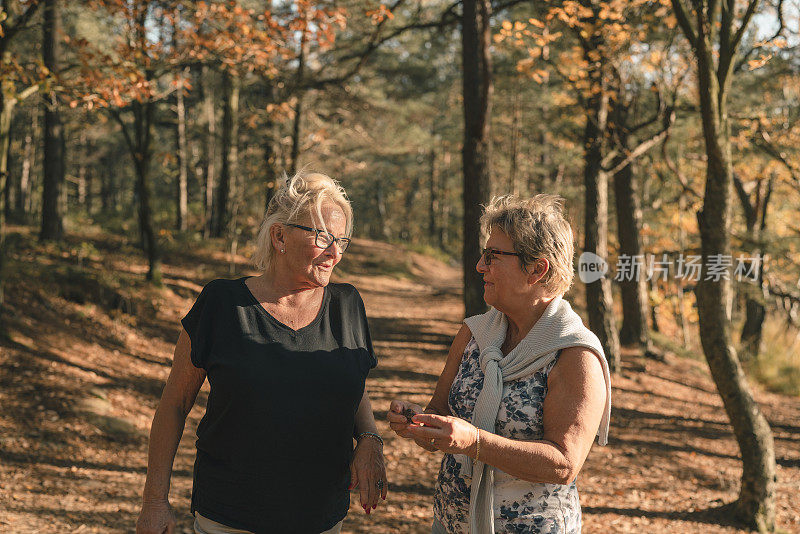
{"x":324,"y":239}
{"x":489,"y":254}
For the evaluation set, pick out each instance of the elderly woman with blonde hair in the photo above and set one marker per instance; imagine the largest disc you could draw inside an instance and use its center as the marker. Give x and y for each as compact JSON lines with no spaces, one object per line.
{"x":524,"y":390}
{"x":286,"y":354}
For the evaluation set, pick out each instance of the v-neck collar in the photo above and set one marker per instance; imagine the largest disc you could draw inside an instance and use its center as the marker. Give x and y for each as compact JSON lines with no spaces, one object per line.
{"x":260,"y":307}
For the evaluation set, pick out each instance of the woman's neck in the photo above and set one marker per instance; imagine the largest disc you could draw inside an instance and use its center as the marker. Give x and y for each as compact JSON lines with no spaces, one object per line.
{"x":282,"y":290}
{"x":522,"y":319}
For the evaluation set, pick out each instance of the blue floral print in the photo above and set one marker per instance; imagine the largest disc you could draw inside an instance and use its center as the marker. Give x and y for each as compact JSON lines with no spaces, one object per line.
{"x":519,"y":506}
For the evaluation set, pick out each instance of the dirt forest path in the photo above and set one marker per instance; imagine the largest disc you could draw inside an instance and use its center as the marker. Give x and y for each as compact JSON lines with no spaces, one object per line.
{"x":79,"y":385}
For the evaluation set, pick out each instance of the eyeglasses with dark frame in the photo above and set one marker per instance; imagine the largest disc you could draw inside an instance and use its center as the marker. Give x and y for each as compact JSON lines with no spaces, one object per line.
{"x":324,"y":239}
{"x":489,"y":254}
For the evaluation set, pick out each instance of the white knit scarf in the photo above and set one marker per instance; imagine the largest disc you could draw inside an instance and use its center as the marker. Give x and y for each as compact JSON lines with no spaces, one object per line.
{"x":558,"y":328}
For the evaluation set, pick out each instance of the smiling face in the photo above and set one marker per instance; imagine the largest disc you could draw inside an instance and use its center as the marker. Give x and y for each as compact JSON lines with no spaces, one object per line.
{"x":303,"y":261}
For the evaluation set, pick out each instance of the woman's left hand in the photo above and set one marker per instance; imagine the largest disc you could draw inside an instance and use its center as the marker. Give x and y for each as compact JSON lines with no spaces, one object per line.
{"x":368,"y":473}
{"x":449,"y":434}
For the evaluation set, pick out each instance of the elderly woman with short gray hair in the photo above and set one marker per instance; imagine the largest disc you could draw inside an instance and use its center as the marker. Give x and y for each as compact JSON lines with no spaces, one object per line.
{"x":286,"y":354}
{"x":525,"y":388}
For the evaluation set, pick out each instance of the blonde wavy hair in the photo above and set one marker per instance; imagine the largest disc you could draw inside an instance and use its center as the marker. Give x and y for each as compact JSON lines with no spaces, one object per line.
{"x":537,"y":228}
{"x":304,"y":193}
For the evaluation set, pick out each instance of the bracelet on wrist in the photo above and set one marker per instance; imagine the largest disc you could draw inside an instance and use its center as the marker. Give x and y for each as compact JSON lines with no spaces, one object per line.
{"x":477,"y":443}
{"x":372,"y":435}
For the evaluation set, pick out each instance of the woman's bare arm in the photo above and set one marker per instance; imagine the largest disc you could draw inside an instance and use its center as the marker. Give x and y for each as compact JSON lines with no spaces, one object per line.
{"x":573,"y":408}
{"x":177,"y":399}
{"x":438,"y":403}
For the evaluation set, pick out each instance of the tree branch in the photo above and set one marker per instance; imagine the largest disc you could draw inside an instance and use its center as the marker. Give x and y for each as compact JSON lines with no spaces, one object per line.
{"x":752,"y":6}
{"x":18,"y":24}
{"x":767,"y":146}
{"x":643,"y":147}
{"x":744,"y":199}
{"x":682,"y":179}
{"x":683,"y":21}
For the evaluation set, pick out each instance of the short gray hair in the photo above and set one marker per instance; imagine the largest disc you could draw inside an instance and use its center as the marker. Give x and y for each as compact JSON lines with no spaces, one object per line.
{"x":304,"y":193}
{"x":538,"y":229}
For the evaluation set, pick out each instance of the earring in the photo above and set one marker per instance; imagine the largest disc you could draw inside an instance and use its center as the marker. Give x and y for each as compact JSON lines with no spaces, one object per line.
{"x":283,"y":251}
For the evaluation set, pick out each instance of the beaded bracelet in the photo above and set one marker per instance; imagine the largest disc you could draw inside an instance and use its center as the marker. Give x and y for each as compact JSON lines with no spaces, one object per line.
{"x":477,"y":443}
{"x":372,"y":435}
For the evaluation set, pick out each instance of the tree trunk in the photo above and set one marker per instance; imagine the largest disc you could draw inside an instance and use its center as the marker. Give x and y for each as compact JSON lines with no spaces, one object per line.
{"x":476,"y":157}
{"x":298,"y":108}
{"x":209,"y":171}
{"x":230,"y":152}
{"x":107,"y":186}
{"x":24,"y":190}
{"x":81,"y":183}
{"x":432,"y":182}
{"x":756,"y":502}
{"x":182,"y":151}
{"x":513,"y":186}
{"x":296,"y":125}
{"x":629,"y":229}
{"x":6,"y":114}
{"x":380,"y":204}
{"x":599,"y":303}
{"x":444,"y":205}
{"x":143,"y":113}
{"x":8,"y":190}
{"x":52,"y":208}
{"x":270,"y":161}
{"x":755,"y":311}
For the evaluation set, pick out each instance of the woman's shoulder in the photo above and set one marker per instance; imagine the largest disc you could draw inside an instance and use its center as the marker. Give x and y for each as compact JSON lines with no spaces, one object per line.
{"x":221,"y":288}
{"x":344,"y":291}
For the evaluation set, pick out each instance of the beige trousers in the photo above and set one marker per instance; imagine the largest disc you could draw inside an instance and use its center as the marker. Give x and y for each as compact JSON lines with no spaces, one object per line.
{"x":203,"y":525}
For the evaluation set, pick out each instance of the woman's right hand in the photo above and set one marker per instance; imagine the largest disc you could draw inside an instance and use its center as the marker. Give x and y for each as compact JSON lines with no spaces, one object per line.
{"x":156,"y":517}
{"x":399,"y":424}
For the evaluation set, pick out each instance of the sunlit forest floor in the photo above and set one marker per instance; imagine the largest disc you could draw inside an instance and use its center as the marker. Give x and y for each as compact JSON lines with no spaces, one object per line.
{"x":90,"y":347}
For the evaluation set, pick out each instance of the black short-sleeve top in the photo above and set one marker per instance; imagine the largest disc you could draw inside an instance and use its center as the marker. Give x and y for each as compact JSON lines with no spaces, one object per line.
{"x":275,"y":444}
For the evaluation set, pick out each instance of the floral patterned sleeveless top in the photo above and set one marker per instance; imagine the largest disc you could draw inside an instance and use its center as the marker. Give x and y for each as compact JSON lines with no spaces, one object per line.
{"x":519,"y":506}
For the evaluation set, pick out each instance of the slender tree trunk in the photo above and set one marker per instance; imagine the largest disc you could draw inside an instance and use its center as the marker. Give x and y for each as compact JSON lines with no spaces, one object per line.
{"x":513,"y":186}
{"x":52,"y":206}
{"x":444,"y":205}
{"x":476,"y":156}
{"x":182,"y":150}
{"x":271,"y":149}
{"x":11,"y":184}
{"x":106,"y":185}
{"x":756,"y":502}
{"x":410,"y":201}
{"x":6,"y":113}
{"x":270,"y":161}
{"x":298,"y":108}
{"x":434,"y":179}
{"x":755,"y":311}
{"x":143,"y":125}
{"x":296,"y":126}
{"x":679,"y":282}
{"x":209,"y":171}
{"x":629,"y":229}
{"x":380,"y":204}
{"x":599,"y":302}
{"x":81,"y":185}
{"x":22,"y":204}
{"x":230,"y":152}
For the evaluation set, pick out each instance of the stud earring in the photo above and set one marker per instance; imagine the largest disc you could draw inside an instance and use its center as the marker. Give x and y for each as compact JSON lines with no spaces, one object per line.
{"x":283,"y":251}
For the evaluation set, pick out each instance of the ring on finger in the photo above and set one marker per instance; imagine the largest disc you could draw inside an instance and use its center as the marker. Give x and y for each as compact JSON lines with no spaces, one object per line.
{"x":433,"y":441}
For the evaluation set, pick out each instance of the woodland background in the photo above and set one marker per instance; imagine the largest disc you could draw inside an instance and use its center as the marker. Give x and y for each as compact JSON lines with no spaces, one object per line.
{"x":671,"y":128}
